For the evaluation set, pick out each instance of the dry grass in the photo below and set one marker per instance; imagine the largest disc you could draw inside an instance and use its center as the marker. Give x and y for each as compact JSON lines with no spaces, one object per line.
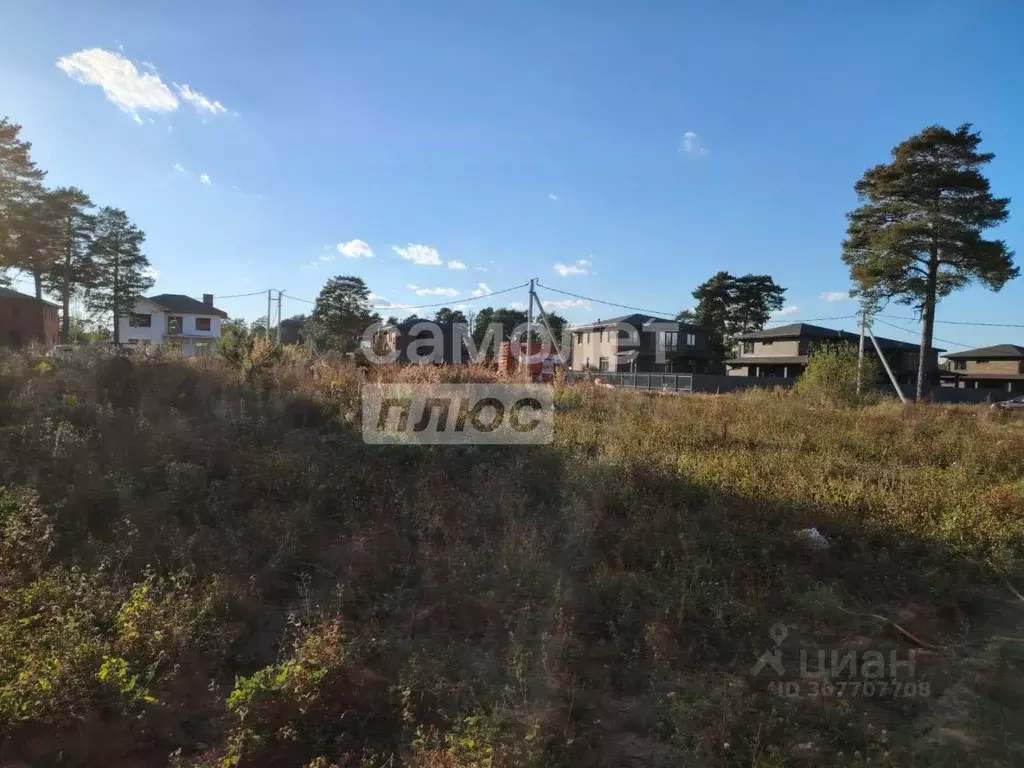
{"x":189,"y":568}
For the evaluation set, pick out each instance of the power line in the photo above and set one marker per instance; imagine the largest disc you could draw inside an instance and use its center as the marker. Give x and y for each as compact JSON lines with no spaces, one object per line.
{"x":289,"y":296}
{"x":601,"y":301}
{"x":960,"y":322}
{"x":243,"y":295}
{"x":429,"y":306}
{"x":811,"y":319}
{"x":934,"y":338}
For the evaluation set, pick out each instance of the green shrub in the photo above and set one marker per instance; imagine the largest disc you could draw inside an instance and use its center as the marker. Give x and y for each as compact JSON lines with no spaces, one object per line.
{"x":831,"y":375}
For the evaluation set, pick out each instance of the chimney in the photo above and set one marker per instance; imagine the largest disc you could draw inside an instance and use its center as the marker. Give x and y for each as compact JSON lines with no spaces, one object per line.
{"x":208,"y":299}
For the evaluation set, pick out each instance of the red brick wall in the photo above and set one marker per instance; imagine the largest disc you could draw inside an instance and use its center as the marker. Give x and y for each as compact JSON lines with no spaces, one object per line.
{"x":25,"y":320}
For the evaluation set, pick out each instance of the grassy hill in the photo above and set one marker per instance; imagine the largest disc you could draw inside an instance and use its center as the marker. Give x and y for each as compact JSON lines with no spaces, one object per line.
{"x":203,"y":565}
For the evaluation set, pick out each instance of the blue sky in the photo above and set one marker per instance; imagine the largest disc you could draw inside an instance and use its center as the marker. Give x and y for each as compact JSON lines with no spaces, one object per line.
{"x":657,"y":142}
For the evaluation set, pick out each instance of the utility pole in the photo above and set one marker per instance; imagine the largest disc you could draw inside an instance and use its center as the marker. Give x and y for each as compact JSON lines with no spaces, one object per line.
{"x":885,"y":363}
{"x":269,"y":291}
{"x":280,"y":293}
{"x":529,"y":330}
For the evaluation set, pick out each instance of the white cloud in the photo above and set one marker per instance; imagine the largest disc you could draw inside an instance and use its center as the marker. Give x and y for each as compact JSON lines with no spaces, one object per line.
{"x":577,"y":268}
{"x":355,"y":249}
{"x":456,"y":265}
{"x":327,"y":257}
{"x":567,"y":304}
{"x":122,"y":83}
{"x":375,"y":297}
{"x":179,"y":167}
{"x":552,"y":196}
{"x":516,"y":305}
{"x":199,"y":101}
{"x":387,"y":307}
{"x":205,"y":178}
{"x":150,"y":272}
{"x":419,"y":254}
{"x":482,"y":269}
{"x":692,"y":144}
{"x":786,"y":311}
{"x":835,"y":296}
{"x":433,"y":291}
{"x":481,"y":289}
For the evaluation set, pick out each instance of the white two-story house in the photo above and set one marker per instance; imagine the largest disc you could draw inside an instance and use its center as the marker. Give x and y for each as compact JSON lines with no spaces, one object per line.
{"x":172,"y":319}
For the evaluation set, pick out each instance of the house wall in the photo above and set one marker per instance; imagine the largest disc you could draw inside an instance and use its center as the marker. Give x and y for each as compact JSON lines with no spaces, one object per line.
{"x":992,"y":366}
{"x":23,"y":320}
{"x":157,"y":331}
{"x":776,"y":348}
{"x":595,"y":345}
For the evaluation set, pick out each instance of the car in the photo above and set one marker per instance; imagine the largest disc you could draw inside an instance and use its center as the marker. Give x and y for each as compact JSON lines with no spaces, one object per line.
{"x":1013,"y":404}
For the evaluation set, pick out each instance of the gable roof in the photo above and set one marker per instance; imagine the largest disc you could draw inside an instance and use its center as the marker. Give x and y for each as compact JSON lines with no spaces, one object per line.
{"x":10,"y":293}
{"x":1011,"y":351}
{"x":638,"y":320}
{"x":178,"y":302}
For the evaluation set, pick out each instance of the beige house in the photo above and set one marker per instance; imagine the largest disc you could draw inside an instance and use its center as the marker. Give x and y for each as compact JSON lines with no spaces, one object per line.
{"x":997,"y":367}
{"x":783,"y":352}
{"x":640,"y":344}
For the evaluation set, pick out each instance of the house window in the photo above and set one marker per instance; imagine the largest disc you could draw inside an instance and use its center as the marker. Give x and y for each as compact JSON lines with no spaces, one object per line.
{"x":140,"y":320}
{"x":202,"y":323}
{"x":981,"y":362}
{"x":959,"y":365}
{"x":691,"y":340}
{"x":175,"y":324}
{"x":670,"y":339}
{"x":602,"y":364}
{"x":748,"y":347}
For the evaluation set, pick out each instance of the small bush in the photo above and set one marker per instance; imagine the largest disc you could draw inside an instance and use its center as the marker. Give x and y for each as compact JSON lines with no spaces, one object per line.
{"x":831,"y":375}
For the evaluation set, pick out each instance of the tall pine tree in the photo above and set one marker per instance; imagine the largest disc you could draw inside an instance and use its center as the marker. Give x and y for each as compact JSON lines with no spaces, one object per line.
{"x":73,"y":226}
{"x":119,"y":267}
{"x":917,"y":235}
{"x":20,"y":185}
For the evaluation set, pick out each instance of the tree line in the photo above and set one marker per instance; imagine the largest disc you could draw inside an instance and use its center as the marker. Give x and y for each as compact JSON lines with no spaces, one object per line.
{"x":63,"y":242}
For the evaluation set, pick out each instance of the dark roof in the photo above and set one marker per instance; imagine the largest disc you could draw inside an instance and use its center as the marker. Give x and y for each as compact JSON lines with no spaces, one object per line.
{"x":798,"y":331}
{"x":997,"y":351}
{"x":637,"y":320}
{"x":178,"y":302}
{"x":10,"y":293}
{"x":808,"y":331}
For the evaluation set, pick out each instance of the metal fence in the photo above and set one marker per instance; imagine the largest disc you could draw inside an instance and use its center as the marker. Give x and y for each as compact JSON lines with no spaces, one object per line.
{"x":673,"y":382}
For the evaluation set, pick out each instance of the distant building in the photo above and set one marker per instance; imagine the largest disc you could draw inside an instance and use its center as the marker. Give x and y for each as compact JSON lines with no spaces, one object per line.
{"x":783,"y":352}
{"x":997,"y":367}
{"x":434,"y":340}
{"x":175,"y":320}
{"x":25,"y":318}
{"x":599,"y":346}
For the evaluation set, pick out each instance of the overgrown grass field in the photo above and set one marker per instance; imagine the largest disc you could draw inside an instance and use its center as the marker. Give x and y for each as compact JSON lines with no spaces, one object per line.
{"x":201,"y":564}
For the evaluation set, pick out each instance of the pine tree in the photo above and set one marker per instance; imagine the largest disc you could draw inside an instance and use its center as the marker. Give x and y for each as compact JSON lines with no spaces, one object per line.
{"x":72,"y":229}
{"x":917,"y":235}
{"x":119,"y":268}
{"x":20,"y":184}
{"x":343,"y":310}
{"x":33,"y":241}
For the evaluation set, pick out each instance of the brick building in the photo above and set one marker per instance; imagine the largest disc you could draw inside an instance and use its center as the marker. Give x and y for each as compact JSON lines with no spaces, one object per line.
{"x":26,"y":318}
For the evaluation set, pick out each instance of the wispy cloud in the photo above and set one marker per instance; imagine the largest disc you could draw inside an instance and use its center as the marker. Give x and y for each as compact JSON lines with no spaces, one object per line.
{"x":423,"y":255}
{"x":552,"y":196}
{"x":786,"y":311}
{"x":835,"y":296}
{"x":482,"y":269}
{"x":205,"y":178}
{"x":375,"y":297}
{"x":581,"y":267}
{"x":566,"y":304}
{"x":481,"y":289}
{"x":132,"y":90}
{"x":151,"y":272}
{"x":179,"y":167}
{"x":121,"y":81}
{"x":692,"y":144}
{"x":199,"y":101}
{"x":355,"y":249}
{"x":432,"y":291}
{"x":456,"y":265}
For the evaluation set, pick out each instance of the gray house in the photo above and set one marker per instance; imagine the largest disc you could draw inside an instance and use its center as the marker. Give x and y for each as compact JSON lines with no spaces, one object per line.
{"x":997,"y":367}
{"x":783,"y":352}
{"x":661,"y":346}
